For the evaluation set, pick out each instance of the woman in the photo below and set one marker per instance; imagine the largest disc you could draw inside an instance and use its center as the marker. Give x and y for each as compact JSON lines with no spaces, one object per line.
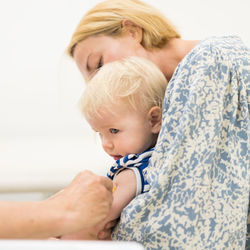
{"x":199,"y":172}
{"x":85,"y":202}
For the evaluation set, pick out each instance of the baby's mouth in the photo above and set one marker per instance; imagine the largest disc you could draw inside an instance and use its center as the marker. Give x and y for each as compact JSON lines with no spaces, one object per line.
{"x":116,"y":157}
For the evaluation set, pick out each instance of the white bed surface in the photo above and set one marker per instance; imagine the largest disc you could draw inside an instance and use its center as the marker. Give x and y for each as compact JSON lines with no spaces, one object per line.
{"x":67,"y":245}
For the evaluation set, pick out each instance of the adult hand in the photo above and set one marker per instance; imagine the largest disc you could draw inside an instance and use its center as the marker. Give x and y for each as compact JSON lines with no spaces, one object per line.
{"x":101,"y":231}
{"x":105,"y":233}
{"x":84,"y":203}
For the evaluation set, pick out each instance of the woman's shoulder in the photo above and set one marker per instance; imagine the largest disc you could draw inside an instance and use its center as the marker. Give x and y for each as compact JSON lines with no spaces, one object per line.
{"x":210,"y":54}
{"x":221,"y":40}
{"x":213,"y":50}
{"x":228,"y":46}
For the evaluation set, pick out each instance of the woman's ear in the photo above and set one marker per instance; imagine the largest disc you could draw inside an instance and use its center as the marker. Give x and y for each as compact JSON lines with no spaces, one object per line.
{"x":132,"y":29}
{"x":154,"y":117}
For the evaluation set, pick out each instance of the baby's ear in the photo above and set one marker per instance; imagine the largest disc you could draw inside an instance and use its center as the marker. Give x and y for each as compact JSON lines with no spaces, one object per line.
{"x":154,"y":117}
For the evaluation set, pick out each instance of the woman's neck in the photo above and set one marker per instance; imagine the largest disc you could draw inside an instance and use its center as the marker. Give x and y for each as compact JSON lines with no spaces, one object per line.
{"x":168,"y":57}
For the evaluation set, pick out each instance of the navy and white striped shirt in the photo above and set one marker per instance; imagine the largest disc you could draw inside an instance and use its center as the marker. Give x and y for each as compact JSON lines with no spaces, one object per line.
{"x":136,"y":162}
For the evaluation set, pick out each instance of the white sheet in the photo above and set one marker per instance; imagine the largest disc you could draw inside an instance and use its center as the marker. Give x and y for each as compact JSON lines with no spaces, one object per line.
{"x":67,"y":245}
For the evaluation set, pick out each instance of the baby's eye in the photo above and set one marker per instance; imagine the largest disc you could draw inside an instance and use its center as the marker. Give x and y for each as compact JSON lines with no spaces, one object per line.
{"x":113,"y":130}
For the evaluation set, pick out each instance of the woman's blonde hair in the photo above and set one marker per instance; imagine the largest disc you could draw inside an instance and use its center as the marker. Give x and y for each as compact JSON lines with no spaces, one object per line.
{"x":106,"y":19}
{"x":134,"y":81}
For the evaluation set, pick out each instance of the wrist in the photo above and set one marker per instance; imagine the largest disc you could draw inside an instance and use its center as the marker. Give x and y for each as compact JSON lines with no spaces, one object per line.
{"x":54,"y":218}
{"x":61,"y":219}
{"x":32,"y":220}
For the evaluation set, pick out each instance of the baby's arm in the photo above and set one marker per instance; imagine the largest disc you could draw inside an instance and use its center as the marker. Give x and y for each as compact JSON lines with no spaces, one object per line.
{"x":125,"y":189}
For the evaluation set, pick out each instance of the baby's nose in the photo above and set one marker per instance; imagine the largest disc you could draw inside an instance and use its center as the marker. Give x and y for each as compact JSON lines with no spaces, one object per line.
{"x":107,"y":144}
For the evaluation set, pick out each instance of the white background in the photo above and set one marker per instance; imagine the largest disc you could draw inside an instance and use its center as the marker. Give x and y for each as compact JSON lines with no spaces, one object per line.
{"x":43,"y":138}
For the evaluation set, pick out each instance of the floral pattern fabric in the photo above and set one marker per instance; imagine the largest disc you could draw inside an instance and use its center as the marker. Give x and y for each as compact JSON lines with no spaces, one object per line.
{"x":199,"y":171}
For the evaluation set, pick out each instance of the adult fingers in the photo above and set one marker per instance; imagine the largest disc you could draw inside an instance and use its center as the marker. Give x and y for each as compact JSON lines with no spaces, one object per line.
{"x":107,"y":183}
{"x":104,"y":235}
{"x":111,"y":224}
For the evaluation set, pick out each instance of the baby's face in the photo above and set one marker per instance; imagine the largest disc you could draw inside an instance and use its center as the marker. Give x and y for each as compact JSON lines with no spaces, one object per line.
{"x":123,"y":131}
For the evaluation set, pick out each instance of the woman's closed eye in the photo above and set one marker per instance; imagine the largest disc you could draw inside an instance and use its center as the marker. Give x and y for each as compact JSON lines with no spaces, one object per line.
{"x":113,"y":130}
{"x":100,"y":63}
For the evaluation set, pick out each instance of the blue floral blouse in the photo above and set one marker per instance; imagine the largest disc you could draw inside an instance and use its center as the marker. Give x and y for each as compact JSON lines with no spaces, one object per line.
{"x":199,"y":171}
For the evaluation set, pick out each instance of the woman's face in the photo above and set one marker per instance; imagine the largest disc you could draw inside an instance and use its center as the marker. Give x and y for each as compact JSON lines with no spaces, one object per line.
{"x":93,"y":52}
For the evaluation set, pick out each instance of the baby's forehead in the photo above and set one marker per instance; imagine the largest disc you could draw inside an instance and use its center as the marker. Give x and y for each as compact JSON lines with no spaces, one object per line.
{"x":114,"y":109}
{"x":104,"y":116}
{"x":114,"y":116}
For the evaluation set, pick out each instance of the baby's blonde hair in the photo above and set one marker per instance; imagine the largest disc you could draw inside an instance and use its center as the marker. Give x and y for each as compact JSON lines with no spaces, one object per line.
{"x":106,"y":19}
{"x":134,"y":81}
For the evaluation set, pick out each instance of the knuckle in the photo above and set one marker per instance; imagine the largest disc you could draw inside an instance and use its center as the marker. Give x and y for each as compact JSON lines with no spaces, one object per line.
{"x":86,"y":172}
{"x":98,"y":179}
{"x":102,"y":191}
{"x":95,"y":180}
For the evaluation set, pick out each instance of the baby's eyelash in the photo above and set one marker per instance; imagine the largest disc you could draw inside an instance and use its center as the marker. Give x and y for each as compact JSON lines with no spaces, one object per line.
{"x":113,"y":130}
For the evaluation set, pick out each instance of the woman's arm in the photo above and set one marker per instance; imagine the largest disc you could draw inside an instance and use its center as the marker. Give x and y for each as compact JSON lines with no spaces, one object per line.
{"x":85,"y":202}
